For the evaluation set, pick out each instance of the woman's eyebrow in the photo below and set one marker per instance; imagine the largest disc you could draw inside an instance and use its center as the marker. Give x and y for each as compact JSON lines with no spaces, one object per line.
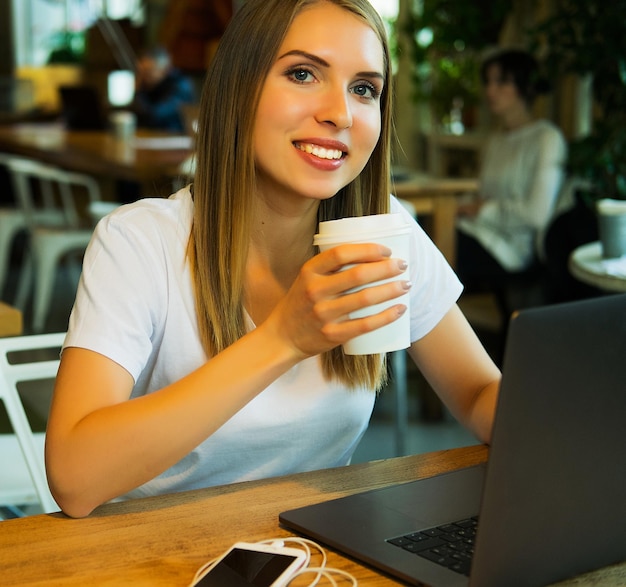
{"x":324,"y":63}
{"x":306,"y":55}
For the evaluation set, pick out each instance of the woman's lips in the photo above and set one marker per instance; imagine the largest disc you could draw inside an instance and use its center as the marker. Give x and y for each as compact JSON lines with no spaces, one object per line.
{"x":320,"y":151}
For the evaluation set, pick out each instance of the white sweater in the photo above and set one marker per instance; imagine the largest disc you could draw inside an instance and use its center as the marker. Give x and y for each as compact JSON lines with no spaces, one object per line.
{"x":521,"y":176}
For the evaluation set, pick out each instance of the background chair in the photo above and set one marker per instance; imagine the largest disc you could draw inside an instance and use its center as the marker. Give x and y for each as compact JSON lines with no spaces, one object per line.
{"x":75,"y":196}
{"x":28,"y":364}
{"x":13,"y":221}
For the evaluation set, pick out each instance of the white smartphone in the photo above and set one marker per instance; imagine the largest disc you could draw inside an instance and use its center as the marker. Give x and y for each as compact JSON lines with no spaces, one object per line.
{"x":254,"y":565}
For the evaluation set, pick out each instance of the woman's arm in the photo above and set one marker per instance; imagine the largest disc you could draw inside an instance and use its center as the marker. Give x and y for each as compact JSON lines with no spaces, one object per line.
{"x":547,"y":178}
{"x":540,"y":179}
{"x":460,"y":371}
{"x":100,"y":444}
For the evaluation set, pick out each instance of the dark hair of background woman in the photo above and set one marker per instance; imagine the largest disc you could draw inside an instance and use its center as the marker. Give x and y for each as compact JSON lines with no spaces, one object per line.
{"x":522,"y":69}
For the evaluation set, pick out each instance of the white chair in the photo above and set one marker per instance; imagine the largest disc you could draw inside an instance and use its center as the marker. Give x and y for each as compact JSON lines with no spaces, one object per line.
{"x":49,"y":245}
{"x":13,"y":220}
{"x":26,"y":359}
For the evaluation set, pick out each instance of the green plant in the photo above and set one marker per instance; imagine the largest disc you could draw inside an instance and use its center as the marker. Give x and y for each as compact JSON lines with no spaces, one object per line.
{"x":454,"y":76}
{"x":445,"y":39}
{"x":588,"y":38}
{"x":67,"y":47}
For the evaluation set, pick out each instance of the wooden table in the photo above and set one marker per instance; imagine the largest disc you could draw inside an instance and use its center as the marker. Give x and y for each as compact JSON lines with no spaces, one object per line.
{"x":11,"y":320}
{"x":436,"y":198}
{"x":100,"y":154}
{"x":587,"y":265}
{"x":164,"y":540}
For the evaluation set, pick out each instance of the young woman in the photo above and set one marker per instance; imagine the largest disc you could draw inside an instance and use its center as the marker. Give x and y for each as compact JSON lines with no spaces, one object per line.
{"x":521,"y":175}
{"x":204,"y":346}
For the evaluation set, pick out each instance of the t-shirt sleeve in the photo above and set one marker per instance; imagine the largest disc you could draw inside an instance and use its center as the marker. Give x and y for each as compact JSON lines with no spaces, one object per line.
{"x":435,"y":287}
{"x":121,"y":291}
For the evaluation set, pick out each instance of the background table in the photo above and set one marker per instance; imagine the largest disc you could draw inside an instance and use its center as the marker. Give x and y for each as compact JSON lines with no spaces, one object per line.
{"x":437,"y":198}
{"x":11,"y":321}
{"x":153,"y":160}
{"x":586,"y":264}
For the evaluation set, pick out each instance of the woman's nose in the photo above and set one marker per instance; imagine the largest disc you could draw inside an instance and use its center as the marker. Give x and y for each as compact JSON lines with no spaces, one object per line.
{"x":335,"y":108}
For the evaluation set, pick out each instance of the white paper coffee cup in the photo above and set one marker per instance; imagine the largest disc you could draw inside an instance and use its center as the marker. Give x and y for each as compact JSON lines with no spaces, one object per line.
{"x":123,"y":124}
{"x":612,"y":227}
{"x":389,"y":230}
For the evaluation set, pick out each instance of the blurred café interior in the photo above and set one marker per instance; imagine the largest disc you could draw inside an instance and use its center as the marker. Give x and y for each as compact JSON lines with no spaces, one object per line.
{"x":442,"y":126}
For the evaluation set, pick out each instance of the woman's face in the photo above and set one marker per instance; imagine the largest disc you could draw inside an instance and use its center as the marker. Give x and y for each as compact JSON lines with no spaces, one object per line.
{"x":501,"y":92}
{"x":319,"y":114}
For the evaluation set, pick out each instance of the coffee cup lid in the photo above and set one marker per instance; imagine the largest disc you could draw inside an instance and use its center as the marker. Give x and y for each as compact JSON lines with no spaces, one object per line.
{"x":360,"y":227}
{"x":611,"y":206}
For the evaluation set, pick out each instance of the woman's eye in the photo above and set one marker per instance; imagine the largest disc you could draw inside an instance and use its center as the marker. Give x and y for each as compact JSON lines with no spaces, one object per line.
{"x":366,"y":91}
{"x":300,"y":75}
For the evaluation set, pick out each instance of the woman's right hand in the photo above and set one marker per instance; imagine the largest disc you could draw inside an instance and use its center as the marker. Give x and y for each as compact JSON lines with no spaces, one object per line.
{"x":314,"y":315}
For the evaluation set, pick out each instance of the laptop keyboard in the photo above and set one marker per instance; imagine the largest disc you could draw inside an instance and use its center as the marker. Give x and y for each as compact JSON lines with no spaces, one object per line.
{"x":450,"y":545}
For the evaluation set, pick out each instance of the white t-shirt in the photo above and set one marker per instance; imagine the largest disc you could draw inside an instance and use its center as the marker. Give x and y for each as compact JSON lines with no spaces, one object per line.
{"x":135,"y":305}
{"x":521,"y":176}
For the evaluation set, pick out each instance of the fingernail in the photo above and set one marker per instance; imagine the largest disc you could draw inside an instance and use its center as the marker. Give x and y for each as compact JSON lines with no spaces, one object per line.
{"x":402,"y":264}
{"x":406,"y":285}
{"x":401,"y":310}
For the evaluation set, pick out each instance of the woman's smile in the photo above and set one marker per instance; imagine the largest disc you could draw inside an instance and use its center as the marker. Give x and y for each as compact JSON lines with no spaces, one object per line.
{"x":320,"y":151}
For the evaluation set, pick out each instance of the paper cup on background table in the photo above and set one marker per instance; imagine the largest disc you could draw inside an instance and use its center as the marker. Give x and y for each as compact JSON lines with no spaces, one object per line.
{"x":612,"y":227}
{"x":391,"y":231}
{"x":123,"y":125}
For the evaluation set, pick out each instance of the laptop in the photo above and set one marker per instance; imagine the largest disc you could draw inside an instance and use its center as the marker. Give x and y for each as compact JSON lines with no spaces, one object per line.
{"x":82,"y":108}
{"x":551,"y":501}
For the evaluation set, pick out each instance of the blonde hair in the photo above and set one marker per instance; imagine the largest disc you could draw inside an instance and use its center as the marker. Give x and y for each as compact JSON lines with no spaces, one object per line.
{"x":225,"y":180}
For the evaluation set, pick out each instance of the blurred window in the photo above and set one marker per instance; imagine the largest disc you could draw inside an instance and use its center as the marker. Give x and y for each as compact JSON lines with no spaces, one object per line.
{"x":53,"y":30}
{"x":388,"y":9}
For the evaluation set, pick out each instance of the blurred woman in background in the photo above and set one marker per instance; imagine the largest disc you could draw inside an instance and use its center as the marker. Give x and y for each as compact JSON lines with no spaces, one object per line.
{"x":521,"y":174}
